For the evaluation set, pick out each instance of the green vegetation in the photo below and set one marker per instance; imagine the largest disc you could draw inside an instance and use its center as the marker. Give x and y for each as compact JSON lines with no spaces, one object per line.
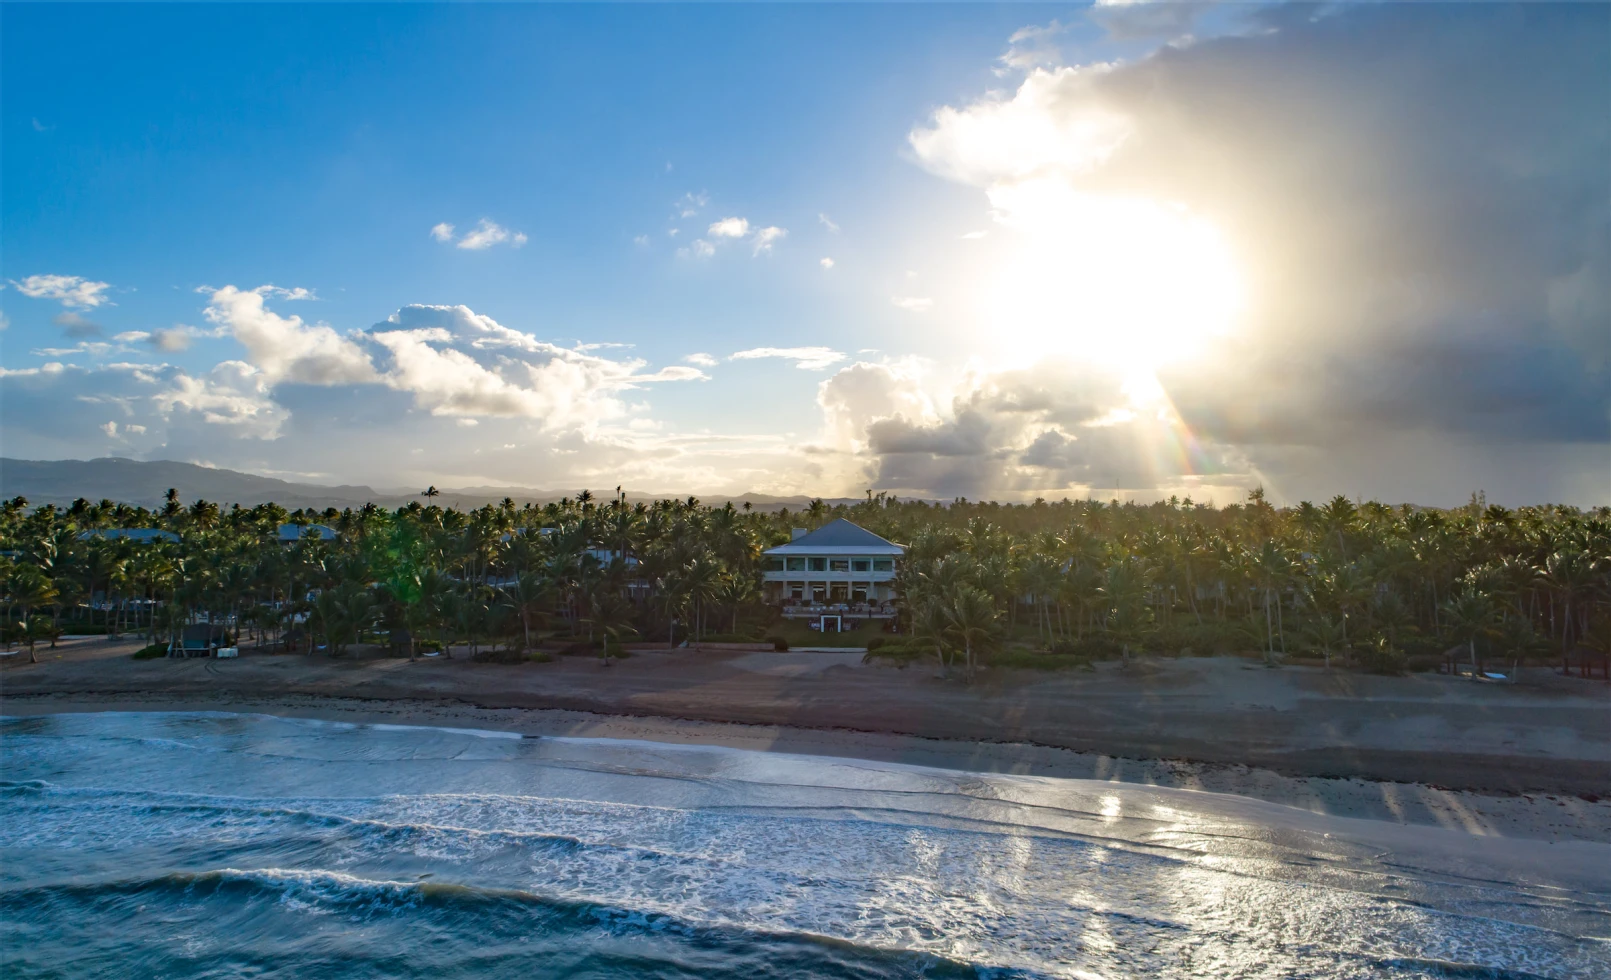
{"x":1362,"y":586}
{"x":151,"y":652}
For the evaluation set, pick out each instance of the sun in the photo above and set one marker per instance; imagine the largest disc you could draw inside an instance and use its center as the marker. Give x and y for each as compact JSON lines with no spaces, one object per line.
{"x":1126,"y":282}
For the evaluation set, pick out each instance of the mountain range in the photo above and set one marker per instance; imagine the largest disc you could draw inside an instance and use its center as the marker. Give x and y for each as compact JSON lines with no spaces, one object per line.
{"x":146,"y":483}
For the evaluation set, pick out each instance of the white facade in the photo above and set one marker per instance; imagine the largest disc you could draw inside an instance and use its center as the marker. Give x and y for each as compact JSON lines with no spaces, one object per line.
{"x":838,"y":564}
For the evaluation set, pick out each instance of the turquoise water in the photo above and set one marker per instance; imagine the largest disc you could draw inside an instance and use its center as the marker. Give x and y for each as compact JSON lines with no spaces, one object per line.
{"x":225,"y":845}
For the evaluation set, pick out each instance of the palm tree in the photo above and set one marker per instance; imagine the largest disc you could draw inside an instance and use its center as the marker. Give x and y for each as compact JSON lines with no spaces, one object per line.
{"x":1466,"y":616}
{"x":931,"y":625}
{"x":527,"y":595}
{"x":31,"y":589}
{"x":971,"y":615}
{"x":1125,"y":591}
{"x":1326,"y":634}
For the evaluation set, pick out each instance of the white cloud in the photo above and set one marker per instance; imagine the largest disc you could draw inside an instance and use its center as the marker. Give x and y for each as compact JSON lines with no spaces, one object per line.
{"x":233,"y":395}
{"x":698,"y":248}
{"x":467,"y":423}
{"x":1057,"y":121}
{"x":730,"y":228}
{"x":455,"y":362}
{"x":825,"y":262}
{"x":828,"y":223}
{"x":110,"y":429}
{"x":972,"y":235}
{"x":488,"y":233}
{"x":805,"y":358}
{"x":691,"y":204}
{"x":642,"y":241}
{"x":740,"y":229}
{"x":5,"y":321}
{"x":913,"y":304}
{"x":286,"y":348}
{"x":703,"y":360}
{"x":71,"y":291}
{"x":484,"y":235}
{"x":764,"y":237}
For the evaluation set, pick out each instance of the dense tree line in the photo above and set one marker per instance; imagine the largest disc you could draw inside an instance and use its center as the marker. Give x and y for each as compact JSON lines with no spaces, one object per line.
{"x":1364,"y":585}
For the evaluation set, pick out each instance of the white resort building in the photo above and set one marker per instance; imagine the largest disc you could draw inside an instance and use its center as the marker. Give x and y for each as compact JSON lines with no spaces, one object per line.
{"x":835,"y":575}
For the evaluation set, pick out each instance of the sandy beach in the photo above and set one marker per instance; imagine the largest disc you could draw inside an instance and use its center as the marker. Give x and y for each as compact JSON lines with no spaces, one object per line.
{"x":1532,"y":759}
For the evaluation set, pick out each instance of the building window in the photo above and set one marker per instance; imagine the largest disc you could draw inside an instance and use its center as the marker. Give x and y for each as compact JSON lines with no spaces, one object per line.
{"x":839,"y":591}
{"x":858,"y":593}
{"x":839,"y":565}
{"x":796,"y":590}
{"x":818,"y":564}
{"x":774,"y":564}
{"x":819,"y":592}
{"x":861,"y":565}
{"x":797,"y":564}
{"x":883,"y":564}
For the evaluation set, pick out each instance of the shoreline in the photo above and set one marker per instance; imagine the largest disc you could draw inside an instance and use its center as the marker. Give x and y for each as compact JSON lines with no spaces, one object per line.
{"x":1539,"y":816}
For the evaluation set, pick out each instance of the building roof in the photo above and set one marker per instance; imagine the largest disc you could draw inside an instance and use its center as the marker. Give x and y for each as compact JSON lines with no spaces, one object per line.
{"x":296,"y":532}
{"x":839,"y":537}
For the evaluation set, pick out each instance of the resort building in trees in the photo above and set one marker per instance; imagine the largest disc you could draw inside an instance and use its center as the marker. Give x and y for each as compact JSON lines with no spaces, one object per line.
{"x":836,"y":573}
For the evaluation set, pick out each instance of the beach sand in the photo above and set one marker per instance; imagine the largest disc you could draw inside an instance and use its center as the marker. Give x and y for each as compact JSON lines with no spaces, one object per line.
{"x":1530,"y":760}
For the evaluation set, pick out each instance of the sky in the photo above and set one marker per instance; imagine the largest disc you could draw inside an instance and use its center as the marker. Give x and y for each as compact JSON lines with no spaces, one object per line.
{"x":992,"y":251}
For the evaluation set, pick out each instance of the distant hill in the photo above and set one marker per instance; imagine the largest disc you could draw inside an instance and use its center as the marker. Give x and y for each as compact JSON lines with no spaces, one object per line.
{"x":146,"y":483}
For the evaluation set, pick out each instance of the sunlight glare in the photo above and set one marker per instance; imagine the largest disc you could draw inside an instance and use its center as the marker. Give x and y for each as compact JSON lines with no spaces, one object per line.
{"x":1129,"y":282}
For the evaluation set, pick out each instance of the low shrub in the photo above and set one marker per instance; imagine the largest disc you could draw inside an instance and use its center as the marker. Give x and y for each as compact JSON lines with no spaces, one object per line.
{"x":900,"y":654}
{"x":779,"y":644}
{"x":1018,"y":658}
{"x":581,"y":648}
{"x":504,"y":656}
{"x":1095,"y":647}
{"x":876,"y":642}
{"x":151,"y":652}
{"x":1382,"y":659}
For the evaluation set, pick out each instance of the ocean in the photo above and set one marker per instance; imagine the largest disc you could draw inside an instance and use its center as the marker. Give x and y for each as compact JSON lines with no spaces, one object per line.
{"x":236,"y":845}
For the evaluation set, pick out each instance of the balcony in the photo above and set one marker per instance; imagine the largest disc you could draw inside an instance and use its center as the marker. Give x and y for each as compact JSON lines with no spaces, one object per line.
{"x":805,"y":609}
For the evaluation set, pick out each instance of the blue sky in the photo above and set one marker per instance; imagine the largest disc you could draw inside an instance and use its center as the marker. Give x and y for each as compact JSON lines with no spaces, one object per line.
{"x":929,"y":151}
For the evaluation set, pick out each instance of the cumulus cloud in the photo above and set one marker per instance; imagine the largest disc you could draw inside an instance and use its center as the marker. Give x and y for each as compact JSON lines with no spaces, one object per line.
{"x":233,"y":396}
{"x":1057,"y":427}
{"x":730,"y":228}
{"x":825,"y":262}
{"x":703,"y":360}
{"x":76,"y":325}
{"x":286,"y":348}
{"x":912,"y":304}
{"x":453,"y":361}
{"x":442,"y":232}
{"x":805,"y":358}
{"x":70,"y":291}
{"x":1431,"y":265}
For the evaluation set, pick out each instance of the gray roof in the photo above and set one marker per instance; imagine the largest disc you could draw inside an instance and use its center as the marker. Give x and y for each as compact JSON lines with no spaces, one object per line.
{"x":841,"y":537}
{"x":293,"y":532}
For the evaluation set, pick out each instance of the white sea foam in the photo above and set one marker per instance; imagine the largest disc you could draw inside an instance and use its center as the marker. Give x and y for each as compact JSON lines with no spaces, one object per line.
{"x":1058,"y":877}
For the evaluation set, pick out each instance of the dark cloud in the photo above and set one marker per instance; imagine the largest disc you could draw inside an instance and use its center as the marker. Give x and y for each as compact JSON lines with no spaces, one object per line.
{"x":76,"y":326}
{"x":1421,"y":195}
